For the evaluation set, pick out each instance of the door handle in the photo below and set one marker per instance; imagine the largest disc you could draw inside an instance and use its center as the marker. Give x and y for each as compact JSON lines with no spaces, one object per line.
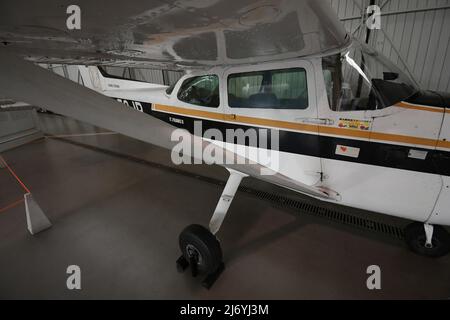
{"x":229,"y":117}
{"x":327,"y":122}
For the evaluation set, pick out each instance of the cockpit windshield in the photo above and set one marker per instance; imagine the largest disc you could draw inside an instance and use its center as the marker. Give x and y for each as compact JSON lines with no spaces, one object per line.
{"x":360,"y":78}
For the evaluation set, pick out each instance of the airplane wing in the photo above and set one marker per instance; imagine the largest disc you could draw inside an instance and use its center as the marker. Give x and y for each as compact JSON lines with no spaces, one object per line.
{"x":23,"y":81}
{"x":173,"y":34}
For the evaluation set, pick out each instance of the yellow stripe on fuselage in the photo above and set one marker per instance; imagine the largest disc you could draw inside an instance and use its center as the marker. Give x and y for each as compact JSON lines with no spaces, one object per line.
{"x":317,"y":129}
{"x":411,"y":106}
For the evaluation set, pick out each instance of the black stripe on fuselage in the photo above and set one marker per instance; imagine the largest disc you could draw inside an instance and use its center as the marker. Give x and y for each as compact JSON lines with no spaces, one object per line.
{"x":371,"y":153}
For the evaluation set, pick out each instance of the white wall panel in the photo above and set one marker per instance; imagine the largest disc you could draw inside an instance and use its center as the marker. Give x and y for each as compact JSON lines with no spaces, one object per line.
{"x":416,"y":32}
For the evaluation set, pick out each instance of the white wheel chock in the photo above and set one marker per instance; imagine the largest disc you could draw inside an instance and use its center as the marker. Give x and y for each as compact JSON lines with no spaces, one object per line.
{"x":37,"y":221}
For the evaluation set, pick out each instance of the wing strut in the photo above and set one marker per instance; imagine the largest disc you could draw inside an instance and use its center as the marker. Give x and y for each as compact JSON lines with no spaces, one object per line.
{"x":23,"y":81}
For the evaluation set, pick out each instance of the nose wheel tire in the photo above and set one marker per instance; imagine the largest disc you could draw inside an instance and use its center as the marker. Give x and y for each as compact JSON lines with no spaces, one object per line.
{"x":416,"y":239}
{"x":198,"y":245}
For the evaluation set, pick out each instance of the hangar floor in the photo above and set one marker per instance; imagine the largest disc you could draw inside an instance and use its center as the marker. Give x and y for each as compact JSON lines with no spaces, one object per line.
{"x":117,"y":208}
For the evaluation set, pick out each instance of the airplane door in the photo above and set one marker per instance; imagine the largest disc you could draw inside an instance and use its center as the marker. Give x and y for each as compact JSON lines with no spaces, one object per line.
{"x":278,"y":98}
{"x":441,"y":212}
{"x":344,"y":131}
{"x":376,"y":159}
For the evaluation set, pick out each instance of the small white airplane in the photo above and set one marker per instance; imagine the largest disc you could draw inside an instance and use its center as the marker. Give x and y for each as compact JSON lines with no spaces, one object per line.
{"x":350,"y":127}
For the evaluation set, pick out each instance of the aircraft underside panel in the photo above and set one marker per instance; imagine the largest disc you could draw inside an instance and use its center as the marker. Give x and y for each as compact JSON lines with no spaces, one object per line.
{"x":185,"y":33}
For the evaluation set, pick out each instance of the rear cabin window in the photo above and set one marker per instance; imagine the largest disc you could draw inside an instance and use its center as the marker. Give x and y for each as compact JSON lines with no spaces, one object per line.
{"x":201,"y":91}
{"x":272,"y":89}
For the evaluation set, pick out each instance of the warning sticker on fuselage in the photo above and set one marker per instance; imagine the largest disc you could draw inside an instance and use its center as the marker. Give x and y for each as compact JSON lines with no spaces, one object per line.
{"x":347,"y":151}
{"x":355,"y":124}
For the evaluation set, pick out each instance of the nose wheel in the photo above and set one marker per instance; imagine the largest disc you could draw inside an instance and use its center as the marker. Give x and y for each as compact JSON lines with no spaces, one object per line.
{"x":427,"y":240}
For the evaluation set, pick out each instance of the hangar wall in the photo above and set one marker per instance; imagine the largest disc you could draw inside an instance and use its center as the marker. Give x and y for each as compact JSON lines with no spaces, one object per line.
{"x":416,"y":32}
{"x":18,"y":125}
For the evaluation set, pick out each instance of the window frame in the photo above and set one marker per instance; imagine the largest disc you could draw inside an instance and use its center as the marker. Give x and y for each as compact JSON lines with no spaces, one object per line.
{"x":269,"y":69}
{"x":171,"y":88}
{"x":334,"y":99}
{"x":182,"y":82}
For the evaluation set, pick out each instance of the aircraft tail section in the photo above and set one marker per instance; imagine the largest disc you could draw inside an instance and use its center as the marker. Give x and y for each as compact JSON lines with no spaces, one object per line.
{"x":99,"y":80}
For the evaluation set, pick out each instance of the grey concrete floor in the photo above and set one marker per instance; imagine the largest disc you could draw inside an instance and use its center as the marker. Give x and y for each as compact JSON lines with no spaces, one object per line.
{"x":119,"y":221}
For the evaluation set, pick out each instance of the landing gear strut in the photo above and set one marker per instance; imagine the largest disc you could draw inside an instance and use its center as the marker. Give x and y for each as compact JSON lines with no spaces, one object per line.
{"x":201,"y":250}
{"x":427,"y":240}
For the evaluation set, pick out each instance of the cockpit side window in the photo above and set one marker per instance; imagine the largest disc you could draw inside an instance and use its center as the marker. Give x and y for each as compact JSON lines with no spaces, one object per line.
{"x":348,"y":89}
{"x":269,"y":89}
{"x":362,"y":79}
{"x":201,"y":91}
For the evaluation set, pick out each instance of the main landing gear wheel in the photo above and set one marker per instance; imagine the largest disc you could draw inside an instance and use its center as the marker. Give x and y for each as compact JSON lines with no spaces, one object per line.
{"x":201,"y":252}
{"x":199,"y":245}
{"x":416,"y":238}
{"x":200,"y":248}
